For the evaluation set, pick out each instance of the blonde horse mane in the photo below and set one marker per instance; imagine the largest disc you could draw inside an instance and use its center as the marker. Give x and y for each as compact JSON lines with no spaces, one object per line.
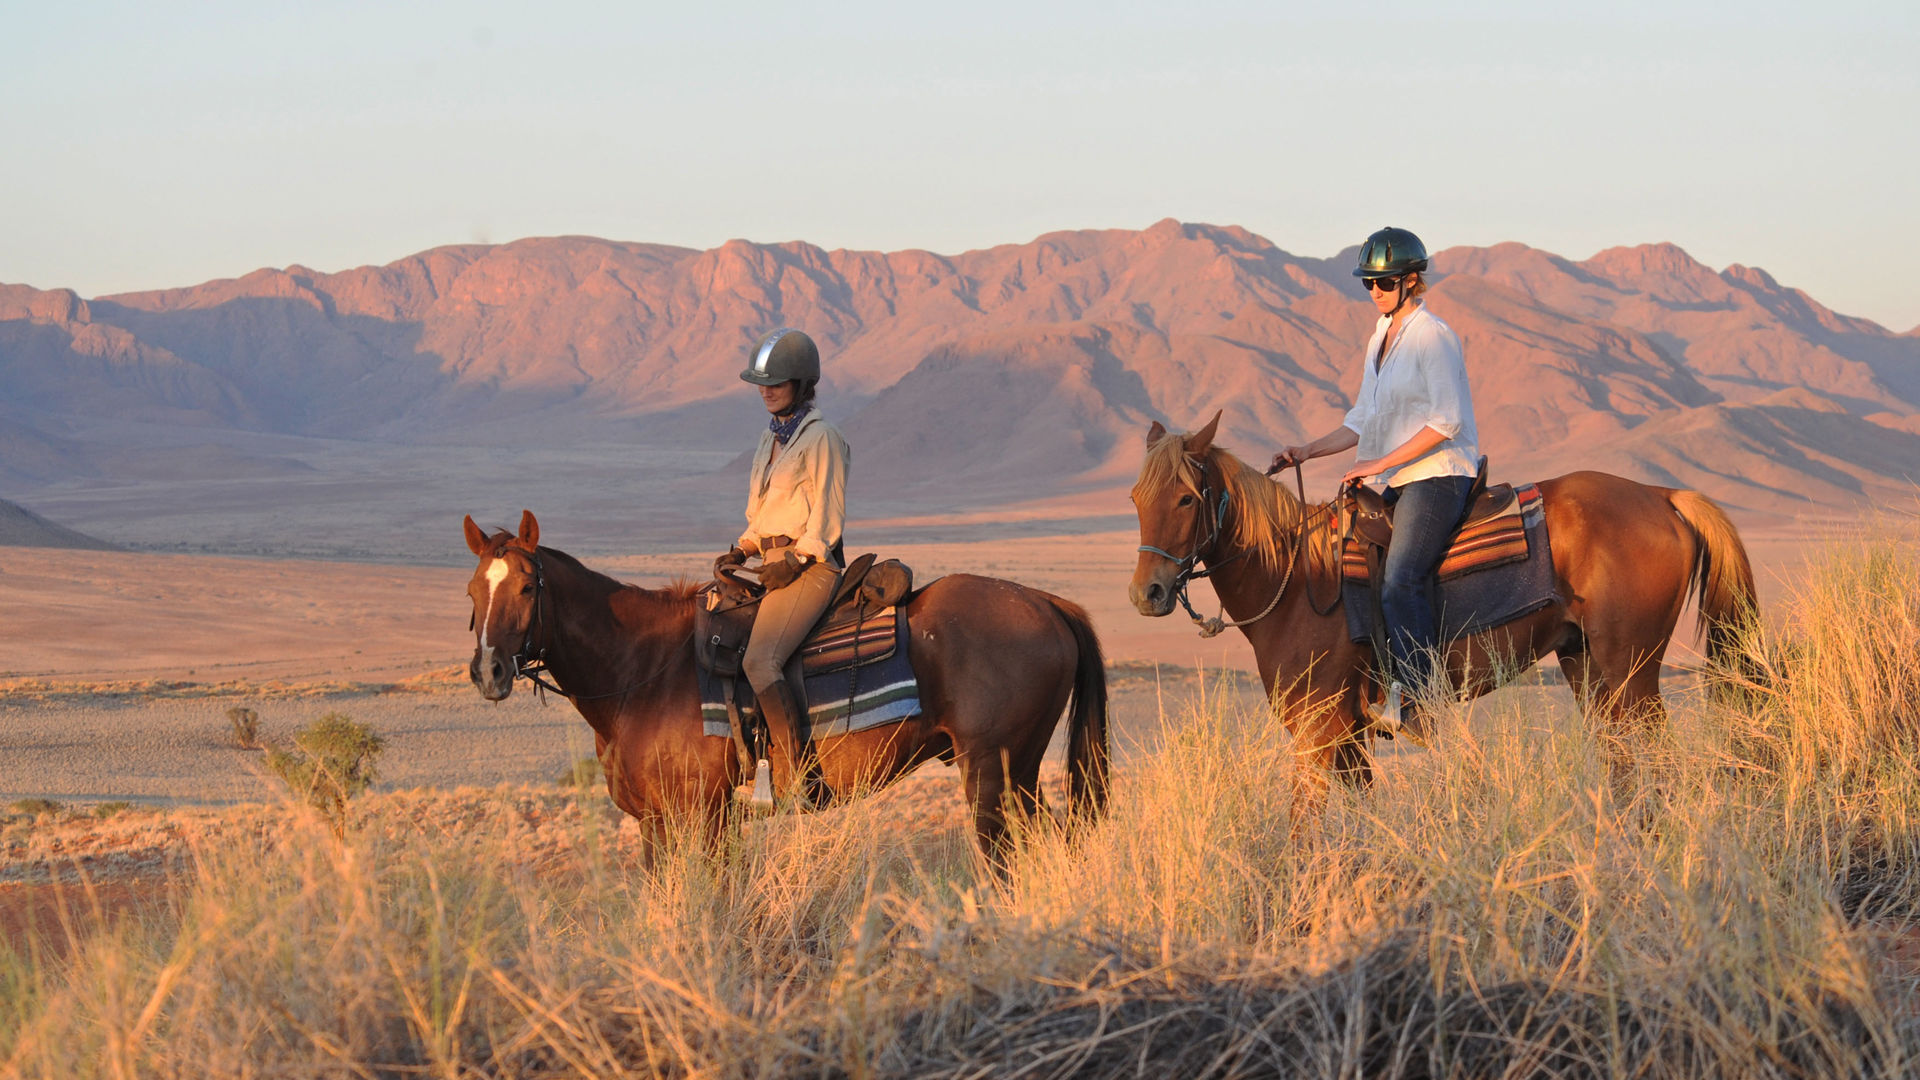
{"x":1265,"y":516}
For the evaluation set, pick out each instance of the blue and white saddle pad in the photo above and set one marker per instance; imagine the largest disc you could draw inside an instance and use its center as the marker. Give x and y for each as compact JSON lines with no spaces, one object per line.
{"x":838,"y":702}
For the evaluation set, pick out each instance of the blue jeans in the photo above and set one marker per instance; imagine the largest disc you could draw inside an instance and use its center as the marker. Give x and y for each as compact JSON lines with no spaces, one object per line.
{"x":1426,"y":514}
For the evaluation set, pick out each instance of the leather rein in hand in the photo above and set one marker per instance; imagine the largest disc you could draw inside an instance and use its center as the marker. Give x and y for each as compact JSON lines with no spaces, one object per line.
{"x":1188,"y":568}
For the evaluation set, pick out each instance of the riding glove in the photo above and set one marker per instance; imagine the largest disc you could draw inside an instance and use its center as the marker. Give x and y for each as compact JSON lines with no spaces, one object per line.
{"x":733,"y":557}
{"x":783,"y":571}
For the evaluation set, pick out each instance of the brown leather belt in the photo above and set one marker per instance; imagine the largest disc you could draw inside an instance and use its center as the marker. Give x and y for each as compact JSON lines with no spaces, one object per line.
{"x":769,"y":545}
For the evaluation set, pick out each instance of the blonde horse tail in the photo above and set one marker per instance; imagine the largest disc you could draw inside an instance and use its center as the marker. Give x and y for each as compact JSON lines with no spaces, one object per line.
{"x":1729,"y":605}
{"x":1088,"y":756}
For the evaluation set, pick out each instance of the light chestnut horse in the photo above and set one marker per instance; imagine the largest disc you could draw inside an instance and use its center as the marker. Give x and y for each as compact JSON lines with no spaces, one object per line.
{"x":1625,"y":557}
{"x":997,"y":664}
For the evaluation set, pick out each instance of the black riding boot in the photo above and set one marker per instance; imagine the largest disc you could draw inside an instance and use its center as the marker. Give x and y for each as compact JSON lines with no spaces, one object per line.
{"x":782,"y":715}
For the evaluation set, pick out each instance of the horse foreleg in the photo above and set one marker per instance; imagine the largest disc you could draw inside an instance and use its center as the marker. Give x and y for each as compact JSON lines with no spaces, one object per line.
{"x":1326,"y":744}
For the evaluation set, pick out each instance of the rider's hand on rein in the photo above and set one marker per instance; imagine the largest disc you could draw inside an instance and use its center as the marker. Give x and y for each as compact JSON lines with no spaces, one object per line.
{"x":783,"y":571}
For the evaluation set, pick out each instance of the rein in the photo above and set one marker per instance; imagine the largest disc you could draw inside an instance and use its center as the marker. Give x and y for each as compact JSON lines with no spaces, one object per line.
{"x":531,"y":668}
{"x":1188,"y":567}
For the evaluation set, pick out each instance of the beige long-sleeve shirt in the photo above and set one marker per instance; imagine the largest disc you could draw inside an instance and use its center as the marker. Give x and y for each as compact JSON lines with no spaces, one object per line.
{"x":800,"y":492}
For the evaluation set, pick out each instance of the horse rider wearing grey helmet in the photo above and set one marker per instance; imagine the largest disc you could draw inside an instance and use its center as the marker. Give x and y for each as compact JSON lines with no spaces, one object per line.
{"x":1413,"y":424}
{"x":796,"y":508}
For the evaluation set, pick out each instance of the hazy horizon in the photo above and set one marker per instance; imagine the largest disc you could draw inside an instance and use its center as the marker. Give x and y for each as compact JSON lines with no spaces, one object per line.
{"x":152,"y":150}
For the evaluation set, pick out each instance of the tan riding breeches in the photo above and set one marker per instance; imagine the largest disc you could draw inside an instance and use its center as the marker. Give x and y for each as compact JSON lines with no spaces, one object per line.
{"x":782,"y":624}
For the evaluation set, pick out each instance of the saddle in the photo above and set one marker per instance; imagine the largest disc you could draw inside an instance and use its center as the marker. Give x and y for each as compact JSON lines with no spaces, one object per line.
{"x":1373,"y":518}
{"x":1492,"y":532}
{"x":859,"y":627}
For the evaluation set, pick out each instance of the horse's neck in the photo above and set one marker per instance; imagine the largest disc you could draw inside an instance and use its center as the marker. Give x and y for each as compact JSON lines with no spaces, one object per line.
{"x":1246,"y":585}
{"x":595,"y":649}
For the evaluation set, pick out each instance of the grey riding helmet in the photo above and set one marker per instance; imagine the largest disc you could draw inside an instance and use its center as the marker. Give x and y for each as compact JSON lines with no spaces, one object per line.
{"x":1390,"y":253}
{"x":782,"y":356}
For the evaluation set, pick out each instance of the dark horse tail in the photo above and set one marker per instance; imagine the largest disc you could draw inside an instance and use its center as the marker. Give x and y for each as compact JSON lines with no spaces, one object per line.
{"x":1088,"y":760}
{"x":1729,"y":606}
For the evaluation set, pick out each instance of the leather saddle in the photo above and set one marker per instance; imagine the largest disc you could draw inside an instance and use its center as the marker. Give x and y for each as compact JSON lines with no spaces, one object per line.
{"x":1372,"y":518}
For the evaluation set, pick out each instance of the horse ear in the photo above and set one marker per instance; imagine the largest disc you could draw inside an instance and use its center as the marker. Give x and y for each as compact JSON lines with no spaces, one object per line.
{"x":476,"y":540}
{"x":1200,"y":441}
{"x":529,"y":531}
{"x":1155,"y":433}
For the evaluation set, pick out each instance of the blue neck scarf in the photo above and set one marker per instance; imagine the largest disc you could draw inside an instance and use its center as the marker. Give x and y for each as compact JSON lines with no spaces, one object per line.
{"x":784,"y":429}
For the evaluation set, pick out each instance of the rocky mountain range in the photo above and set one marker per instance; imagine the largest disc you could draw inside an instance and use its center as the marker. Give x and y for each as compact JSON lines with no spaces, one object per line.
{"x":1003,"y":377}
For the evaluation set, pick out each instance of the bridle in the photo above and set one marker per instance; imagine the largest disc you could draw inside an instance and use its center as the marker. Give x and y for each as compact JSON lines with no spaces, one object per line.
{"x":533,"y":666}
{"x":1188,"y":568}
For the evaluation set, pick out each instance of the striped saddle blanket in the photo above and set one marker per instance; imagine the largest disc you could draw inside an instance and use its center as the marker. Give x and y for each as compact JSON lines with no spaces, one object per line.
{"x":856,"y":672}
{"x":1497,"y":569}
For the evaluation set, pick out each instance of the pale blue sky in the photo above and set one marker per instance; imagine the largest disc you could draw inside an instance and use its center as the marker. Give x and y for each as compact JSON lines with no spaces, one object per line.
{"x":149,"y":145}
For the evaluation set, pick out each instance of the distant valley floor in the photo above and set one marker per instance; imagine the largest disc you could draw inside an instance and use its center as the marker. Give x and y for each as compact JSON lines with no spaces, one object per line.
{"x":120,"y":666}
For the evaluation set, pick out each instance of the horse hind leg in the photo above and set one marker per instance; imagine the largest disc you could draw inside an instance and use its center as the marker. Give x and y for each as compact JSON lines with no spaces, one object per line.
{"x":1620,"y":696}
{"x":985,"y":779}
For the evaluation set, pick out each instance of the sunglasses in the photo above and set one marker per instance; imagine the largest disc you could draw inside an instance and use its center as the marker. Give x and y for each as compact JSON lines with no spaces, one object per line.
{"x":1384,"y":284}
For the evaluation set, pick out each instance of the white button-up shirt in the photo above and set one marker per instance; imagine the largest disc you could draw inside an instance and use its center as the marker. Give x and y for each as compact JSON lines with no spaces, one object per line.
{"x":1421,"y":382}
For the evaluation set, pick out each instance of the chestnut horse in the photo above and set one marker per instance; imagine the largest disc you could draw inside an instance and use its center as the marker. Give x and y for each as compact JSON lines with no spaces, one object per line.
{"x":1625,"y":556}
{"x":997,"y":664}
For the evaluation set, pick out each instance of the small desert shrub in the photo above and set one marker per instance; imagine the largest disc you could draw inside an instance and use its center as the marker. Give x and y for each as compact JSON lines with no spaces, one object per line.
{"x":333,"y":761}
{"x":111,"y":809}
{"x":585,"y":773}
{"x":36,"y":807}
{"x":246,"y":726}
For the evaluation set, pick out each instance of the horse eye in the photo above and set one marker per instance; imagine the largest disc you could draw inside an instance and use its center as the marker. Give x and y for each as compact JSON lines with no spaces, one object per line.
{"x":1186,"y":500}
{"x":526,"y":589}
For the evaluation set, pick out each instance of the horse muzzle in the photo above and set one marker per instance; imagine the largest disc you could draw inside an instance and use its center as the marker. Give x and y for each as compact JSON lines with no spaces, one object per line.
{"x":1154,"y":598}
{"x":492,"y":671}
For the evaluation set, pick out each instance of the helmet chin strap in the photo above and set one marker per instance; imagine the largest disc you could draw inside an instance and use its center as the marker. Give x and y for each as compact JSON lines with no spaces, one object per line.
{"x":1404,"y":297}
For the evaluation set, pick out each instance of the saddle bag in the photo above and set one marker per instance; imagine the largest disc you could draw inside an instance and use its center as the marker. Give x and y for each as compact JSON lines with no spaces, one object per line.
{"x":886,"y":584}
{"x":721,"y":629}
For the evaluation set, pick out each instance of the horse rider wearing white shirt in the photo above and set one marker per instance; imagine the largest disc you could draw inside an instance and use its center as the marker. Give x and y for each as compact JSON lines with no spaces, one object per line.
{"x":1413,"y":424}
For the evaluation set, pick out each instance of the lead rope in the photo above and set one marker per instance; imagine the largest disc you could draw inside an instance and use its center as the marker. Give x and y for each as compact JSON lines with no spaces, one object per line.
{"x":1213,"y":626}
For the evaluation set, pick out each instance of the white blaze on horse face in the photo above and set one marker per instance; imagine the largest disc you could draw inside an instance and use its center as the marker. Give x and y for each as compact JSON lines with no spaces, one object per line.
{"x":497,"y":572}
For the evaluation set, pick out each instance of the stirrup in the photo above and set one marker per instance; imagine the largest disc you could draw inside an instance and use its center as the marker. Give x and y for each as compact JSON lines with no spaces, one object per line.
{"x":1389,"y":716}
{"x":762,"y":799}
{"x":1402,"y":718}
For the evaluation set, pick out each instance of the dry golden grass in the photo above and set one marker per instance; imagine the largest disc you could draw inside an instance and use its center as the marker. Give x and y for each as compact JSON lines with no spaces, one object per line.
{"x":1488,"y":909}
